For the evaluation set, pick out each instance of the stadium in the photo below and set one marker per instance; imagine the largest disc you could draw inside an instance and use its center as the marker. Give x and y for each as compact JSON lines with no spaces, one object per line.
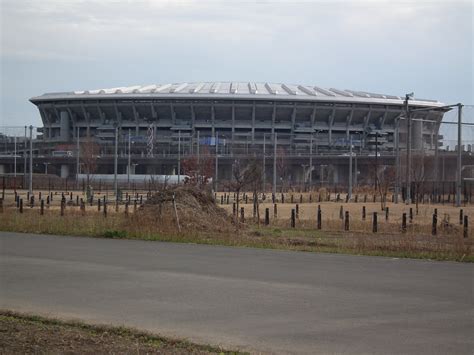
{"x":171,"y":121}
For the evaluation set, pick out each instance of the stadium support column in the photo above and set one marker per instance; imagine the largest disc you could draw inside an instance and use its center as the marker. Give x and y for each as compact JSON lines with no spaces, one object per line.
{"x":459,"y":163}
{"x":116,"y":163}
{"x":30,"y":187}
{"x":274,"y":163}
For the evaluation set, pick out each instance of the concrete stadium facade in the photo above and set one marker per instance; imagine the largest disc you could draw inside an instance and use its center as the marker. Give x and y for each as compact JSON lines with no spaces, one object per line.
{"x":308,"y":121}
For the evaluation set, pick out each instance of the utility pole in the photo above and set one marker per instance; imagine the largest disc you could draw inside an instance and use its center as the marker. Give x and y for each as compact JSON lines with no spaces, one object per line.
{"x":129,"y":164}
{"x":376,"y":159}
{"x":14,"y":157}
{"x":408,"y":172}
{"x":459,"y":165}
{"x":310,"y":159}
{"x":198,"y":146}
{"x":350,"y":169}
{"x":24,"y":159}
{"x":217,"y":160}
{"x":116,"y":163}
{"x":397,"y":159}
{"x":77,"y":160}
{"x":31,"y":161}
{"x":263,"y":173}
{"x":274,"y":164}
{"x":179,"y":157}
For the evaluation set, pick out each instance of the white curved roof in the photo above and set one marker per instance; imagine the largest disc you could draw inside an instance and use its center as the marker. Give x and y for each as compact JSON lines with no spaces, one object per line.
{"x":235,"y":90}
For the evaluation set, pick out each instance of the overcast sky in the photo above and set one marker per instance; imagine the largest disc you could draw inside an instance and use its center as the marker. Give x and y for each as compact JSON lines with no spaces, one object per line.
{"x":380,"y":46}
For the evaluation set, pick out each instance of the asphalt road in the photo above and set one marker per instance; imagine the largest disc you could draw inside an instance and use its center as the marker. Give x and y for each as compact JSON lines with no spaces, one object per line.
{"x":251,"y":299}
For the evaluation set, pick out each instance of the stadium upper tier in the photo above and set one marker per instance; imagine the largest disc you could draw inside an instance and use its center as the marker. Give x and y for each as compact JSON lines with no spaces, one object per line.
{"x":235,"y":91}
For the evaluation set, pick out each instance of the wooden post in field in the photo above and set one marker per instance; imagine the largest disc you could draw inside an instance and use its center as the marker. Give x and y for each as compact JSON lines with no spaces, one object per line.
{"x":301,"y":198}
{"x":267,"y":216}
{"x":460,"y":216}
{"x":32,"y":201}
{"x":291,"y":198}
{"x":374,"y":223}
{"x":363,"y":213}
{"x":435,"y":211}
{"x":227,"y":200}
{"x":21,"y":205}
{"x":356,"y":199}
{"x":434,"y":224}
{"x":293,"y":218}
{"x":42,"y":207}
{"x":282,"y":198}
{"x":1,"y":205}
{"x":466,"y":227}
{"x":135,"y":206}
{"x":310,"y":198}
{"x":222,"y":199}
{"x":233,"y":209}
{"x":346,"y":221}
{"x":116,"y":205}
{"x":404,"y":223}
{"x":141,"y":199}
{"x":297,"y":211}
{"x":319,"y":217}
{"x":275,"y":211}
{"x":98,"y":204}
{"x":105,"y":208}
{"x":386,"y":213}
{"x":77,"y":200}
{"x":341,"y":213}
{"x":242,"y":214}
{"x":273,"y":198}
{"x":62,"y":207}
{"x":411,"y":215}
{"x":126,"y":208}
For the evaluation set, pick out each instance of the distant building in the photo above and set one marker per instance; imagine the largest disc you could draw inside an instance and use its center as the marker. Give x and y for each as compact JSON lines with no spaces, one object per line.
{"x":244,"y":116}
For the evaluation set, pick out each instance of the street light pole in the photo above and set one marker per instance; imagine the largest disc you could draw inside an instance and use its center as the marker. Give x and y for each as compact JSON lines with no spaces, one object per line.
{"x":350,"y":169}
{"x":77,"y":159}
{"x":31,"y":161}
{"x":24,"y":158}
{"x":310,"y":159}
{"x":397,"y":160}
{"x":217,"y":161}
{"x":459,"y":165}
{"x":129,"y":157}
{"x":179,"y":156}
{"x":274,"y":163}
{"x":408,"y":172}
{"x":263,"y":172}
{"x":116,"y":163}
{"x":14,"y":157}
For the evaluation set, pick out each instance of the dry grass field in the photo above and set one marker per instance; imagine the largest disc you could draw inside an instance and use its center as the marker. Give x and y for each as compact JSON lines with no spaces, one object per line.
{"x":389,"y":240}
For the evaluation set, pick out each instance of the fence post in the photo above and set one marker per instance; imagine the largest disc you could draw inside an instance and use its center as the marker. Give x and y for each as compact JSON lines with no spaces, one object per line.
{"x":62,"y":207}
{"x":297,"y":210}
{"x":126,"y":208}
{"x":233,"y":209}
{"x":42,"y":207}
{"x":434,"y":224}
{"x":346,"y":221}
{"x":1,"y":205}
{"x":98,"y":204}
{"x":386,"y":213}
{"x":293,"y":222}
{"x":341,"y":213}
{"x":404,"y":223}
{"x":292,"y":198}
{"x":135,"y":206}
{"x":460,"y":216}
{"x":275,"y":210}
{"x":267,"y":216}
{"x":466,"y":227}
{"x":282,"y":198}
{"x":301,"y":198}
{"x":411,"y":215}
{"x":105,"y":209}
{"x":319,"y":216}
{"x":21,"y":205}
{"x":363,"y":213}
{"x":242,"y":215}
{"x":374,"y":223}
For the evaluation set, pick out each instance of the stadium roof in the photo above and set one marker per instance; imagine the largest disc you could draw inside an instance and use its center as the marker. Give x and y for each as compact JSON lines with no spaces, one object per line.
{"x":234,"y":90}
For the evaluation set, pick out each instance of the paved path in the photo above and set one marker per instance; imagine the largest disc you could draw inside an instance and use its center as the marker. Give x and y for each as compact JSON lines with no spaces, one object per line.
{"x":271,"y":301}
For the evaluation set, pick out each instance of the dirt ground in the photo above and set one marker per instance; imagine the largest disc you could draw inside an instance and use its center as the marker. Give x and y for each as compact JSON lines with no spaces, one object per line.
{"x":21,"y":334}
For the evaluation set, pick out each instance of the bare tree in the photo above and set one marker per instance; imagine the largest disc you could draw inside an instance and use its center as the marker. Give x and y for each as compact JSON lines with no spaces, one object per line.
{"x":89,"y":155}
{"x":282,"y":166}
{"x":386,"y":177}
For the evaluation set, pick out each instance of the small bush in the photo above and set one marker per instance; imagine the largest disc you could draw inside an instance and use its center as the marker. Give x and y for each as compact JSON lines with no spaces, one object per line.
{"x":114,"y":234}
